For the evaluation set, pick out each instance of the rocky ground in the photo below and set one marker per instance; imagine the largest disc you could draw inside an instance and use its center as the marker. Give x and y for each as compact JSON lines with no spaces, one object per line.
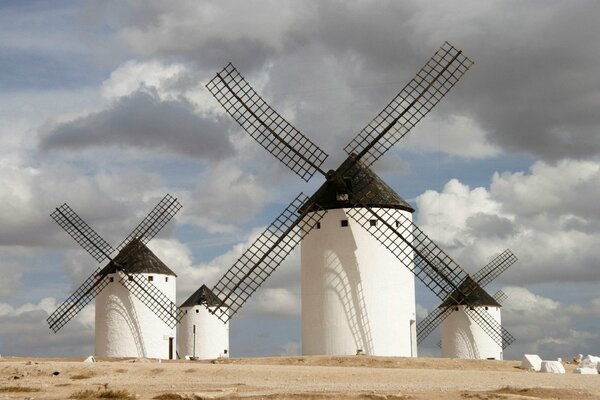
{"x":353,"y":377}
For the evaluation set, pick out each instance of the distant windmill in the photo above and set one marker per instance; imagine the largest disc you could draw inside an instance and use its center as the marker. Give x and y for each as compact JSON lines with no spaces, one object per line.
{"x":201,"y":334}
{"x":142,"y":325}
{"x":461,"y":338}
{"x":355,"y":297}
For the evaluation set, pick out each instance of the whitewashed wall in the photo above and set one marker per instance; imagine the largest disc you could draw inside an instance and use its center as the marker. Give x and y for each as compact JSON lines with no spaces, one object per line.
{"x":212,"y":335}
{"x":355,"y":292}
{"x":464,"y":338}
{"x":125,"y":327}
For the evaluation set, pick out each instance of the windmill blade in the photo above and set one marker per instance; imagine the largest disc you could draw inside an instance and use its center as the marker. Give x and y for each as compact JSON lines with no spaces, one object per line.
{"x":265,"y":125}
{"x":500,"y":296}
{"x":414,"y":101}
{"x":431,"y":265}
{"x":160,"y":215}
{"x":497,"y":266}
{"x":153,"y":298}
{"x":77,"y":301}
{"x":82,"y":233}
{"x":264,"y":256}
{"x":490,"y":326}
{"x":430,"y":322}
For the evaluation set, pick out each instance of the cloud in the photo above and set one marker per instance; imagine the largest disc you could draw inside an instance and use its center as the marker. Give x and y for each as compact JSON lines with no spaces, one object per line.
{"x":546,"y":327}
{"x":23,"y":331}
{"x":11,"y":278}
{"x":142,"y":121}
{"x":544,"y":216}
{"x":529,"y":91}
{"x":225,"y":198}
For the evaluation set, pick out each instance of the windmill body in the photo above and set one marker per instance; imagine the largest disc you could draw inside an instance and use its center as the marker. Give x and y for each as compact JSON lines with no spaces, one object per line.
{"x":463,"y":337}
{"x":201,"y":333}
{"x":356,"y":298}
{"x":125,"y":326}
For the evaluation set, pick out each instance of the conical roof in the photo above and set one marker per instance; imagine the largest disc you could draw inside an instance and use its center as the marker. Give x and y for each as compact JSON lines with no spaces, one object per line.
{"x":136,"y":258}
{"x":470,"y":293}
{"x":203,"y":296}
{"x":364,"y":184}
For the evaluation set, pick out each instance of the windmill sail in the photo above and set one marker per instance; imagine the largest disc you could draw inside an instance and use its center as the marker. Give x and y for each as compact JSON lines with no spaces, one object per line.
{"x":443,"y":70}
{"x":88,"y":290}
{"x":265,"y":125}
{"x":83,"y":234}
{"x":263,"y":257}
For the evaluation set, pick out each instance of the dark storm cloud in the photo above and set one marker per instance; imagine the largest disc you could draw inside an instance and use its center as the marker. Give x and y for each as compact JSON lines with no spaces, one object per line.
{"x":141,"y":120}
{"x":534,"y":87}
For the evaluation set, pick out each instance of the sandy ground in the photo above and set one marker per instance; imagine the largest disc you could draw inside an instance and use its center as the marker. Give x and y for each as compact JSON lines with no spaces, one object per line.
{"x":354,"y":377}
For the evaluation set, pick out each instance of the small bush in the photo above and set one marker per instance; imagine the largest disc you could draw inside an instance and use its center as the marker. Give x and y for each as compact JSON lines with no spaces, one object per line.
{"x":18,"y":389}
{"x":82,"y":376}
{"x":169,"y":396}
{"x":103,"y":394}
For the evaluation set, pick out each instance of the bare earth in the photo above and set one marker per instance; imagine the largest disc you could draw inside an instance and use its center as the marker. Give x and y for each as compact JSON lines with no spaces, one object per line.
{"x":353,"y":377}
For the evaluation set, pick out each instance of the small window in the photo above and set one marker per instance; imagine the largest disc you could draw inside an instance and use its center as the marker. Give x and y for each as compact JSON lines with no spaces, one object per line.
{"x":373,"y":222}
{"x":318,"y":225}
{"x":455,"y":308}
{"x":397,"y":224}
{"x":150,"y":278}
{"x":166,"y":279}
{"x":344,"y":222}
{"x":486,"y":307}
{"x":225,"y":351}
{"x":197,"y":311}
{"x":130,"y":277}
{"x":471,"y":308}
{"x":111,"y":279}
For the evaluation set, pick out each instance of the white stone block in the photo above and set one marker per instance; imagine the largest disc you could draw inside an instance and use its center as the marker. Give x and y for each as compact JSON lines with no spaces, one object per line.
{"x":586,"y":371}
{"x":552,"y":367}
{"x":90,"y":360}
{"x":590,"y":361}
{"x":531,"y":361}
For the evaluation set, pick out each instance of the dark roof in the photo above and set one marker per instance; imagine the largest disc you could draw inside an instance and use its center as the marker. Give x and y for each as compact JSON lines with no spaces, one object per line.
{"x":136,"y":258}
{"x":470,"y":293}
{"x":365,"y":185}
{"x":202,"y":296}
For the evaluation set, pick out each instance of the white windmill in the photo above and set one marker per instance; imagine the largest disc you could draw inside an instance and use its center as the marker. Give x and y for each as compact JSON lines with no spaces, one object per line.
{"x":357,"y":296}
{"x":136,"y":313}
{"x":201,"y":334}
{"x":462,"y":336}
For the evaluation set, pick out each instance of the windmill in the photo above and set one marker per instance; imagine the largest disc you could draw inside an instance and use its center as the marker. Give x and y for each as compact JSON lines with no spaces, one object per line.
{"x":201,"y":334}
{"x":351,"y":191}
{"x":460,"y":337}
{"x":135,"y":292}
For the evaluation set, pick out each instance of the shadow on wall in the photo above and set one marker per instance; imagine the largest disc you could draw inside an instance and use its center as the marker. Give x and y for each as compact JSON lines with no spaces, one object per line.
{"x":125,"y":309}
{"x":346,"y":284}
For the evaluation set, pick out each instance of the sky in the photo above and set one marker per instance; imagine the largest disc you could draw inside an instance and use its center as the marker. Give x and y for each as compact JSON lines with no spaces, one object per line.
{"x":103,"y":106}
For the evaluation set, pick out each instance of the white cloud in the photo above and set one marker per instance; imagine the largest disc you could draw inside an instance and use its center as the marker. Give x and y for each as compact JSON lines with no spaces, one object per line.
{"x":225,"y":198}
{"x":278,"y":301}
{"x":538,"y":215}
{"x":546,"y":327}
{"x":456,"y":135}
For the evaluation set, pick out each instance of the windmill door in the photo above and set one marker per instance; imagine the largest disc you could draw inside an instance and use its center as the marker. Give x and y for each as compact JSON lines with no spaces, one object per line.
{"x":170,"y":348}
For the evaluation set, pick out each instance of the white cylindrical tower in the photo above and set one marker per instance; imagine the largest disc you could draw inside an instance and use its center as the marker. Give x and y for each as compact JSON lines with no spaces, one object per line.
{"x":125,"y":326}
{"x":201,"y":334}
{"x":356,"y":295}
{"x":462,"y":337}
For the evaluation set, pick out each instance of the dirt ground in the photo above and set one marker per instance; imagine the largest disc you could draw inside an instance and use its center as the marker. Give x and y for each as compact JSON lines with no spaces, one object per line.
{"x":353,"y":377}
